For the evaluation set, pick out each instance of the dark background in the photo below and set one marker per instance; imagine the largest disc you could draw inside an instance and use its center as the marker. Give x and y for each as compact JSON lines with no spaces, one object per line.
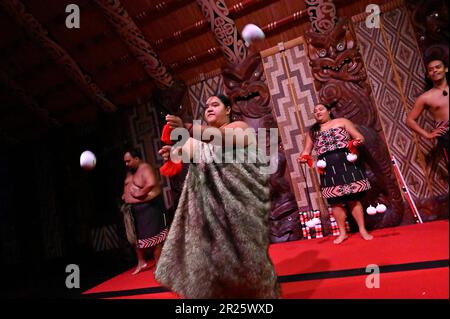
{"x":49,"y":206}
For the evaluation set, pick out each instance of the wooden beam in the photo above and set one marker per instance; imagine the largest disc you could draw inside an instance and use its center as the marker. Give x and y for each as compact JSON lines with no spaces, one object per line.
{"x":14,"y":89}
{"x":38,"y":33}
{"x":132,"y":36}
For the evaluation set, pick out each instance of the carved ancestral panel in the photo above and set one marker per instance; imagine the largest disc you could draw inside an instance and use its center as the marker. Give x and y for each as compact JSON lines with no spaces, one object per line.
{"x":224,"y":29}
{"x":338,"y":68}
{"x":322,"y":15}
{"x":245,"y":85}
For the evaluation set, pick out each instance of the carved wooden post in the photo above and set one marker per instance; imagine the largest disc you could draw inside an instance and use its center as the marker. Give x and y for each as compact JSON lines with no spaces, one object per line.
{"x":224,"y":29}
{"x":245,"y":85}
{"x":322,"y":15}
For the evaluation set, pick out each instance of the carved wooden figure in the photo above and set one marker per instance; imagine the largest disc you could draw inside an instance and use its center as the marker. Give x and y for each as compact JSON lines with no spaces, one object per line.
{"x":244,"y":84}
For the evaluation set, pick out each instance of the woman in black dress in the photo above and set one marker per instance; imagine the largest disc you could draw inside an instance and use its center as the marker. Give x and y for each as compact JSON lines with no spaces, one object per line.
{"x":343,"y":183}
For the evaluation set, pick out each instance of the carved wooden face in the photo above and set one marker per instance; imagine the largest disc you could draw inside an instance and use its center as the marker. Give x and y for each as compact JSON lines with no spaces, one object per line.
{"x":334,"y":55}
{"x":244,"y":84}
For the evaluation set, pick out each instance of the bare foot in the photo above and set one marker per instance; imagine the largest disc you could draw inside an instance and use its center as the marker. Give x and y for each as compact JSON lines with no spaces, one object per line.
{"x":139,"y":268}
{"x":365,"y":235}
{"x":340,"y":239}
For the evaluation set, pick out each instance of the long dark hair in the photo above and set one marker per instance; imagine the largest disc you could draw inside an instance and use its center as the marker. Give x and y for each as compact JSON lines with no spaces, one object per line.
{"x":315,"y":128}
{"x":225,"y":100}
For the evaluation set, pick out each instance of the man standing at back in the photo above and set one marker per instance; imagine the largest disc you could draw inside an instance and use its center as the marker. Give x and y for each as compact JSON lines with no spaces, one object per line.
{"x":435,"y":100}
{"x":143,"y":192}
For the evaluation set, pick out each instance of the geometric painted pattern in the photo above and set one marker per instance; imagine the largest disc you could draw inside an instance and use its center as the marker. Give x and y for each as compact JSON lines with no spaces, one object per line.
{"x":395,"y":97}
{"x":306,"y":217}
{"x":346,"y":189}
{"x":105,"y":238}
{"x":292,"y":123}
{"x":331,"y":140}
{"x":144,"y":122}
{"x":153,"y":241}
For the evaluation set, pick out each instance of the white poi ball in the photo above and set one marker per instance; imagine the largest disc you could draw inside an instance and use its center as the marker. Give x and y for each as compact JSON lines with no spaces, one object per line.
{"x":316,"y":221}
{"x":321,"y":164}
{"x":310,"y":223}
{"x":252,"y":32}
{"x":88,"y":160}
{"x":381,"y":208}
{"x":352,"y":157}
{"x":371,"y":210}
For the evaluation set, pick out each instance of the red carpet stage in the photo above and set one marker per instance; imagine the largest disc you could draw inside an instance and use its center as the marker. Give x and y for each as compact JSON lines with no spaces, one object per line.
{"x":413,"y":262}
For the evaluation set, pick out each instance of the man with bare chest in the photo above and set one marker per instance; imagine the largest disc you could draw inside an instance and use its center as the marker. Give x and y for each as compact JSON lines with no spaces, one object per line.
{"x":435,"y":100}
{"x":143,"y":192}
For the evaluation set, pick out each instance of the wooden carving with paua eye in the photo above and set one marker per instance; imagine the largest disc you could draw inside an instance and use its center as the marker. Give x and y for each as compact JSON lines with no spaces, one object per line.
{"x":245,"y":86}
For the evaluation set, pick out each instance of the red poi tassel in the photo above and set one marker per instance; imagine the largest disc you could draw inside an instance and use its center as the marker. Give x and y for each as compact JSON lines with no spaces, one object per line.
{"x":352,"y":148}
{"x":169,"y":168}
{"x":308,"y":158}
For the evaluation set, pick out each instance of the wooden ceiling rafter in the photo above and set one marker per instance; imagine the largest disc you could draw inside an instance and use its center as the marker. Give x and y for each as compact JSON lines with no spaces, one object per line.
{"x":73,"y":107}
{"x":186,"y":47}
{"x":234,"y":10}
{"x":158,"y":10}
{"x":97,"y":39}
{"x":36,"y":31}
{"x":152,"y":12}
{"x":224,"y":28}
{"x":195,"y":29}
{"x":201,"y":26}
{"x":108,"y":66}
{"x":117,"y":93}
{"x":136,"y":42}
{"x":27,"y":100}
{"x":99,"y":71}
{"x":212,"y":52}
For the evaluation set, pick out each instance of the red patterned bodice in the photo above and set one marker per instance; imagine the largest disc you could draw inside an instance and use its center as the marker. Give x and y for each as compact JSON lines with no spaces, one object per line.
{"x":332,"y":139}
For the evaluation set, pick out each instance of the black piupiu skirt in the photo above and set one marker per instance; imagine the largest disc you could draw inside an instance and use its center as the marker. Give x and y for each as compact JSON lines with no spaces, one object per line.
{"x":150,"y":222}
{"x":342,"y":181}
